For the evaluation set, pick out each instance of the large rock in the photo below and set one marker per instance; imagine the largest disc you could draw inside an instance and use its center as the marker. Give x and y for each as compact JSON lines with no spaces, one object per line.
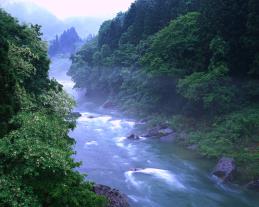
{"x":133,"y":137}
{"x":74,"y":115}
{"x":253,"y":185}
{"x":165,"y":132}
{"x":158,"y":131}
{"x":116,"y":199}
{"x":225,"y":169}
{"x":154,"y":132}
{"x":108,"y":104}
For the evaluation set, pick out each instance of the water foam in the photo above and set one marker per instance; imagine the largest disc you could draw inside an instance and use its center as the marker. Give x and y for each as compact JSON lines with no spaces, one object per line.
{"x":116,"y":124}
{"x":104,"y":118}
{"x":164,"y":175}
{"x":130,"y":123}
{"x":130,"y":178}
{"x":90,"y":144}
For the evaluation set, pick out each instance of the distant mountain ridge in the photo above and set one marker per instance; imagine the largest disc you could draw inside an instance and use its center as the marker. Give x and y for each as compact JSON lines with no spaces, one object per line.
{"x":66,"y":43}
{"x":51,"y":26}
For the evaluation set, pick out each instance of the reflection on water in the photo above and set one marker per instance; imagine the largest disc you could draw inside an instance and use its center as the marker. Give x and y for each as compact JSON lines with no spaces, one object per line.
{"x":151,"y":173}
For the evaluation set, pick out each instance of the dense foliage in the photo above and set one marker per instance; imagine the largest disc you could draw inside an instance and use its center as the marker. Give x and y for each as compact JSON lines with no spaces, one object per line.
{"x":192,"y":61}
{"x":36,"y":167}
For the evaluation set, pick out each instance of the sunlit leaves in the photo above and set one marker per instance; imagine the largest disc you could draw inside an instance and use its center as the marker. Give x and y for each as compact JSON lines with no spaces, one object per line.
{"x":21,"y":59}
{"x":175,"y":49}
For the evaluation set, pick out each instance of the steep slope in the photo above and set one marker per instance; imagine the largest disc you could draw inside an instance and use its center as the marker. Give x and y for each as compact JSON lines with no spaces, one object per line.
{"x":191,"y":63}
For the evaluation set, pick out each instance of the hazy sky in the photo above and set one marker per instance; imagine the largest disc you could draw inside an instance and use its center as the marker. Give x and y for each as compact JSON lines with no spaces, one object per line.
{"x":95,"y":8}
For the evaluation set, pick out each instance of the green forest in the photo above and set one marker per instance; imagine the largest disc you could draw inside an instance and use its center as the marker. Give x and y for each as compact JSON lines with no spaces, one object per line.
{"x":193,"y":63}
{"x":36,"y":165}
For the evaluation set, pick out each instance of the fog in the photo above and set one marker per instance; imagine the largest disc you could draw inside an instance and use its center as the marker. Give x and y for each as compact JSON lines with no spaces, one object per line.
{"x":51,"y":25}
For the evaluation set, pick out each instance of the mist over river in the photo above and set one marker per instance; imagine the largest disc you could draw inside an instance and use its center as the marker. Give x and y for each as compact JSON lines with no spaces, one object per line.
{"x":169,"y":175}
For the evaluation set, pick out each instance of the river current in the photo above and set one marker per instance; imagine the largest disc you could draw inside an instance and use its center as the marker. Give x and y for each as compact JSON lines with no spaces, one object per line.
{"x":167,"y":175}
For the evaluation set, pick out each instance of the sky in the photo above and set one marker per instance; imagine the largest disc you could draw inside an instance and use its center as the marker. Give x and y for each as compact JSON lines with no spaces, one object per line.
{"x":91,"y":8}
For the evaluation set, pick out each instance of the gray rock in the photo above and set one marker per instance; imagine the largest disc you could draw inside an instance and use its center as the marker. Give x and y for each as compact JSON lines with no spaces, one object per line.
{"x":154,"y":132}
{"x":158,"y":132}
{"x":115,"y":198}
{"x":165,"y":131}
{"x":73,"y":115}
{"x":135,"y":169}
{"x":225,"y":169}
{"x":133,"y":137}
{"x":253,"y":185}
{"x":76,"y":114}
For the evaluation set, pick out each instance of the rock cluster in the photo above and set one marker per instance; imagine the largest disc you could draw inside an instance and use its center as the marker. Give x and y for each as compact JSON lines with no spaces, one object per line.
{"x":115,"y":198}
{"x":133,"y":137}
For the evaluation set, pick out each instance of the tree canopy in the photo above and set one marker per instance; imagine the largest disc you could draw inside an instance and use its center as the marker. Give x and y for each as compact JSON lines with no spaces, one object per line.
{"x":36,"y":165}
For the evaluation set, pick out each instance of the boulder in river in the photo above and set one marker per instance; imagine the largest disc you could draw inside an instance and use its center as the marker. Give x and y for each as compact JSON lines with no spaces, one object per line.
{"x":225,"y":169}
{"x":158,"y":131}
{"x":133,"y":137}
{"x":253,"y":185}
{"x":108,"y":104}
{"x":115,"y":198}
{"x":165,"y":132}
{"x":74,"y":115}
{"x":135,"y":169}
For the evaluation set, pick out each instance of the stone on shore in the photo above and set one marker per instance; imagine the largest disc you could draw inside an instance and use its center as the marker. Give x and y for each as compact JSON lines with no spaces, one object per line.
{"x":225,"y":169}
{"x":115,"y":198}
{"x":158,"y":131}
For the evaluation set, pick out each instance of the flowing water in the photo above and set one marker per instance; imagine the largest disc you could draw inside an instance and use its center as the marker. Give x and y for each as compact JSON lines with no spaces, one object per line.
{"x":166,"y":175}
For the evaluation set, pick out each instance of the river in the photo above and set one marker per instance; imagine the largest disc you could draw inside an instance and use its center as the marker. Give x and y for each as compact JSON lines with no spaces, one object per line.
{"x":169,"y":176}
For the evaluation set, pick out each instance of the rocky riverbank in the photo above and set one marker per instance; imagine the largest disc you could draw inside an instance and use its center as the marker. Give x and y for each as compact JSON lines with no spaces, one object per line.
{"x":114,"y":196}
{"x":225,"y":168}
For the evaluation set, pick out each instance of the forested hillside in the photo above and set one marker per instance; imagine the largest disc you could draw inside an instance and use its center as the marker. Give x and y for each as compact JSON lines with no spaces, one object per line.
{"x":66,"y":43}
{"x":36,"y":168}
{"x":194,"y":63}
